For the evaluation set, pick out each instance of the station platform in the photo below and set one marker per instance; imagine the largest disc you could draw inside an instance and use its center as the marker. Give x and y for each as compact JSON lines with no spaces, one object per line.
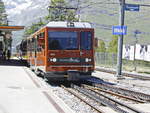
{"x":21,"y":91}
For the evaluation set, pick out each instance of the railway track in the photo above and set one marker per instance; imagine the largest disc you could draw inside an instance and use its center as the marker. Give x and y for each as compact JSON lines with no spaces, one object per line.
{"x":133,"y":94}
{"x":106,"y":100}
{"x":113,"y":93}
{"x":82,"y":99}
{"x":124,"y":74}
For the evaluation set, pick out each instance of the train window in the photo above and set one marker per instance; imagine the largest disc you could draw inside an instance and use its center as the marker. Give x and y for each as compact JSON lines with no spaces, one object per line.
{"x":42,"y":35}
{"x":38,"y":36}
{"x":41,"y":42}
{"x":29,"y":45}
{"x":32,"y":44}
{"x":1,"y":46}
{"x":62,"y":40}
{"x":86,"y":40}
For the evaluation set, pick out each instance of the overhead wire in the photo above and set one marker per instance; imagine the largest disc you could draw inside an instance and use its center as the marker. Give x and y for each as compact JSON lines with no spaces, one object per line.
{"x":81,"y":5}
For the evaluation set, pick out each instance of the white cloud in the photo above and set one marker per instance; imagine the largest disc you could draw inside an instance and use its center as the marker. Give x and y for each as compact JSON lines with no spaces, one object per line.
{"x":16,"y":6}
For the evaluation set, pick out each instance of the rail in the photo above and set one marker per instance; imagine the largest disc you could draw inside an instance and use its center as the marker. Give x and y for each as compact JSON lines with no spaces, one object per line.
{"x":125,"y":74}
{"x":79,"y":97}
{"x":135,"y":94}
{"x":104,"y":100}
{"x":113,"y":93}
{"x":117,"y":102}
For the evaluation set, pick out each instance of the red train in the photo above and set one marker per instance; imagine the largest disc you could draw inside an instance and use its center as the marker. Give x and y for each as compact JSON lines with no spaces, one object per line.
{"x":62,"y":50}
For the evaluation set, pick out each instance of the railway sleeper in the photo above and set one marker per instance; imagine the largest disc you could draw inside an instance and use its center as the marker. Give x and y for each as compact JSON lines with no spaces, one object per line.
{"x":131,"y":93}
{"x":99,"y":99}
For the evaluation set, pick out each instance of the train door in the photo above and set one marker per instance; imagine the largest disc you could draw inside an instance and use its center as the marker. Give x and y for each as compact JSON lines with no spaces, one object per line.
{"x":32,"y":54}
{"x":86,"y":49}
{"x":1,"y":46}
{"x":40,"y":51}
{"x":35,"y":52}
{"x":30,"y":48}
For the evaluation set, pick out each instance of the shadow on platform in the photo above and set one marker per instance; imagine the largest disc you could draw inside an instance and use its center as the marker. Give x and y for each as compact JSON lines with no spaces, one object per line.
{"x":13,"y":62}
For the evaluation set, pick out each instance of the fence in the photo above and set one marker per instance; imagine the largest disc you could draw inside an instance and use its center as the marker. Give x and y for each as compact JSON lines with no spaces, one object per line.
{"x":109,"y":60}
{"x":106,"y":59}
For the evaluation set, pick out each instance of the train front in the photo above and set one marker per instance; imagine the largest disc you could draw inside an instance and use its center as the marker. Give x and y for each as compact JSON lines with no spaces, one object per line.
{"x":71,"y":51}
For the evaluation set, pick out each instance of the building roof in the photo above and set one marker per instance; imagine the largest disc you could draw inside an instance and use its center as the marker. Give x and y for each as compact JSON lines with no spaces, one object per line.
{"x":11,"y":28}
{"x":69,"y":24}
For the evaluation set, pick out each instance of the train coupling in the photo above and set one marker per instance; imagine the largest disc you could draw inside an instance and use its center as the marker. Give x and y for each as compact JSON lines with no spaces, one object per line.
{"x":73,"y":75}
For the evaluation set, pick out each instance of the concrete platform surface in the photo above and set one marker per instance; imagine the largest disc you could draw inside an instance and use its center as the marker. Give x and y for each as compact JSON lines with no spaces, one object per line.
{"x":22,"y":92}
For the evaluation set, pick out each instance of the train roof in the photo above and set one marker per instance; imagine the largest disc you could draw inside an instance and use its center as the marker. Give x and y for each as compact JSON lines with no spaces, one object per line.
{"x":61,"y":24}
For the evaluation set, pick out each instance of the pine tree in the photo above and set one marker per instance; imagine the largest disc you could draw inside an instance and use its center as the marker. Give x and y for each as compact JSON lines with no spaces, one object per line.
{"x":3,"y":15}
{"x":34,"y":27}
{"x":101,"y":47}
{"x":57,"y":13}
{"x":113,"y":45}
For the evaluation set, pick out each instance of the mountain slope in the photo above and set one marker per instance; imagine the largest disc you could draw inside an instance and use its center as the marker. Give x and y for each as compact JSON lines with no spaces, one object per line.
{"x":102,"y":15}
{"x":24,"y":12}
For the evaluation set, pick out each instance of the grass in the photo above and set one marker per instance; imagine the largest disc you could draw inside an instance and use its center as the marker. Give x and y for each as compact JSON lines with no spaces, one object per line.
{"x":141,"y":66}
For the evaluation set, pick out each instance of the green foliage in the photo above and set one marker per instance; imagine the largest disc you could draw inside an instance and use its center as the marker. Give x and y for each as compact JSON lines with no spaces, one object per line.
{"x":34,"y":27}
{"x":101,"y":47}
{"x":113,"y":45}
{"x":55,"y":14}
{"x":60,"y":14}
{"x":3,"y":16}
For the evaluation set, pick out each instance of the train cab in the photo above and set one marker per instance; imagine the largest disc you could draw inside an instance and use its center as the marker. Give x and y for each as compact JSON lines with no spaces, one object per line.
{"x":62,"y":50}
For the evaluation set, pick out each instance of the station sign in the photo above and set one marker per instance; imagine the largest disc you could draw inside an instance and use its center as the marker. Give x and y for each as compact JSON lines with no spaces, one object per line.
{"x":119,"y":30}
{"x":132,"y":7}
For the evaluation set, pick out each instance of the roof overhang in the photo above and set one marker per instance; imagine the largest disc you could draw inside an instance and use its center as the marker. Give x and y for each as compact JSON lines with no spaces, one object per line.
{"x":11,"y":28}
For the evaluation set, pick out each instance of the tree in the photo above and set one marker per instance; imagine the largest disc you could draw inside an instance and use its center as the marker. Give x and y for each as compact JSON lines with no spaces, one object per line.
{"x":101,"y":47}
{"x":34,"y":27}
{"x":58,"y":12}
{"x":55,"y":14}
{"x":113,"y":45}
{"x":3,"y":15}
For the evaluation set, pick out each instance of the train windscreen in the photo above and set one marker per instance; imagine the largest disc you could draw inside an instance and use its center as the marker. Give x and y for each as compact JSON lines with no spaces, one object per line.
{"x":62,"y":40}
{"x":86,"y":40}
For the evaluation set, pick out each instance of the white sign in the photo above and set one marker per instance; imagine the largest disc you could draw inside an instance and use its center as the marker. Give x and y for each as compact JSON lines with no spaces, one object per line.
{"x":142,"y":52}
{"x":128,"y":52}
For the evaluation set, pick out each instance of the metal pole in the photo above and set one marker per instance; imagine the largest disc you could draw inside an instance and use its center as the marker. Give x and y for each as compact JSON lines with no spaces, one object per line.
{"x":120,"y":39}
{"x":134,"y":62}
{"x":78,"y":10}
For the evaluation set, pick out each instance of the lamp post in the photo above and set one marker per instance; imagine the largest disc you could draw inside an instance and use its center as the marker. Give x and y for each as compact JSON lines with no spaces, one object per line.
{"x":120,"y":40}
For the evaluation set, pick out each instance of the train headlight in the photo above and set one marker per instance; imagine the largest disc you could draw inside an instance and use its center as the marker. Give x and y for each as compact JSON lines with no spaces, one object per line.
{"x":88,"y":60}
{"x":54,"y":60}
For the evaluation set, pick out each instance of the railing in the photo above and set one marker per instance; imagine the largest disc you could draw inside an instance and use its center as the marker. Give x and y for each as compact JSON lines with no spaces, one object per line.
{"x":109,"y":60}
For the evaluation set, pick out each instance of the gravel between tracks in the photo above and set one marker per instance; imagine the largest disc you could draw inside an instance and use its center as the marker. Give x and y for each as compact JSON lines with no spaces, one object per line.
{"x":73,"y":102}
{"x":128,"y":83}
